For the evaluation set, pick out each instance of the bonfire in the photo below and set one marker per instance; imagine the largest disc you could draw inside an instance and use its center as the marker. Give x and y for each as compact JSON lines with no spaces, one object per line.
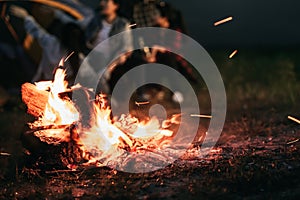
{"x":103,"y":140}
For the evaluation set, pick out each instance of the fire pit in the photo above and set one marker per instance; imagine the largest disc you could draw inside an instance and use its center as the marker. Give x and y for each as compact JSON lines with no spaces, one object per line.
{"x":125,"y":143}
{"x":256,"y":156}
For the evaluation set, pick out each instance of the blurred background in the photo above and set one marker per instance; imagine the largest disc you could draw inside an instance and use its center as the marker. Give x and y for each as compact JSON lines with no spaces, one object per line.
{"x":255,"y":23}
{"x":265,"y":71}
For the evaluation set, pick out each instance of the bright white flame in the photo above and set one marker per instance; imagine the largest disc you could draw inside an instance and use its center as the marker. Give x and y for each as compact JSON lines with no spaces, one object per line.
{"x":104,"y":138}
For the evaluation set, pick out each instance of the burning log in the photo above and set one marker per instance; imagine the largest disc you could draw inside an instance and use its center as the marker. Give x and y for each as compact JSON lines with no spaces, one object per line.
{"x":82,"y":130}
{"x":35,"y":99}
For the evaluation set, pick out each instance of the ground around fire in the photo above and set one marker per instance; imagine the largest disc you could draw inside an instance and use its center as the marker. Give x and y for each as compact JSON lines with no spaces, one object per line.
{"x":256,"y":157}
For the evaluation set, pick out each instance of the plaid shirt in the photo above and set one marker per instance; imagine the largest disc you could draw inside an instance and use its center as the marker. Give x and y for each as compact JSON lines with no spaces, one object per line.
{"x":144,"y":13}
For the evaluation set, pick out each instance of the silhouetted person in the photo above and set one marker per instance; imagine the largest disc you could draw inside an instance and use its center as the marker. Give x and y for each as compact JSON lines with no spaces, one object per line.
{"x":105,"y":24}
{"x":54,"y":48}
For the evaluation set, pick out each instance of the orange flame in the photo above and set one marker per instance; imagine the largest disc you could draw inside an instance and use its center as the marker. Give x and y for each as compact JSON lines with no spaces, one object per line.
{"x":105,"y":137}
{"x":58,"y":111}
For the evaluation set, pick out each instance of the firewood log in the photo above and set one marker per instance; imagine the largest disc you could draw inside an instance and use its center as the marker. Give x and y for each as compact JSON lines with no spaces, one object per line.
{"x":34,"y":98}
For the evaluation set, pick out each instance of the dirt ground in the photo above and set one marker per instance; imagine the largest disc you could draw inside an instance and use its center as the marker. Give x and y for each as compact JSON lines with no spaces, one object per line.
{"x":257,"y":157}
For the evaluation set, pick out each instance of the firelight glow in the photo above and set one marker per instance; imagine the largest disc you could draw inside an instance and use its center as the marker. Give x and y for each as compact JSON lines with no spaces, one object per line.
{"x":106,"y":137}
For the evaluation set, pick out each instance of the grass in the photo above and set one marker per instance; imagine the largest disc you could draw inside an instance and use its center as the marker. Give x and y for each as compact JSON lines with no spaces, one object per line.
{"x":263,"y":76}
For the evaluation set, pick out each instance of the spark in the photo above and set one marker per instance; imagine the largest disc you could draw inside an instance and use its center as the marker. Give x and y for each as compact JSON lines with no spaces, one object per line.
{"x":67,"y":58}
{"x":5,"y":154}
{"x":132,"y":25}
{"x":142,"y":103}
{"x":201,"y":116}
{"x":223,"y":21}
{"x":233,"y":54}
{"x":294,"y":141}
{"x":294,"y":119}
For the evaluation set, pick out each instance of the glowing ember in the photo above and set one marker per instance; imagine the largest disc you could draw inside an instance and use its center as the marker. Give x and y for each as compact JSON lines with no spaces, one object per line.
{"x":104,"y":138}
{"x":201,"y":116}
{"x":131,"y":25}
{"x":142,"y":103}
{"x":223,"y":21}
{"x":292,"y":142}
{"x":233,"y":54}
{"x":294,"y":119}
{"x":5,"y":154}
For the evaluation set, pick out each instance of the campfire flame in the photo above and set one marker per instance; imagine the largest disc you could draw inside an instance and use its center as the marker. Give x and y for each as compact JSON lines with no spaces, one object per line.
{"x":104,"y":138}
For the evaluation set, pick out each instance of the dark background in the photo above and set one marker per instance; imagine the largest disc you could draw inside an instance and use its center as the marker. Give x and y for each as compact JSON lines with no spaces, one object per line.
{"x":265,"y":33}
{"x":268,"y":23}
{"x":255,"y":22}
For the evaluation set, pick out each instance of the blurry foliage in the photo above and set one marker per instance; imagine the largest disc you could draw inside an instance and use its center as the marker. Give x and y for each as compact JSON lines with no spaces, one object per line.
{"x":264,"y":77}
